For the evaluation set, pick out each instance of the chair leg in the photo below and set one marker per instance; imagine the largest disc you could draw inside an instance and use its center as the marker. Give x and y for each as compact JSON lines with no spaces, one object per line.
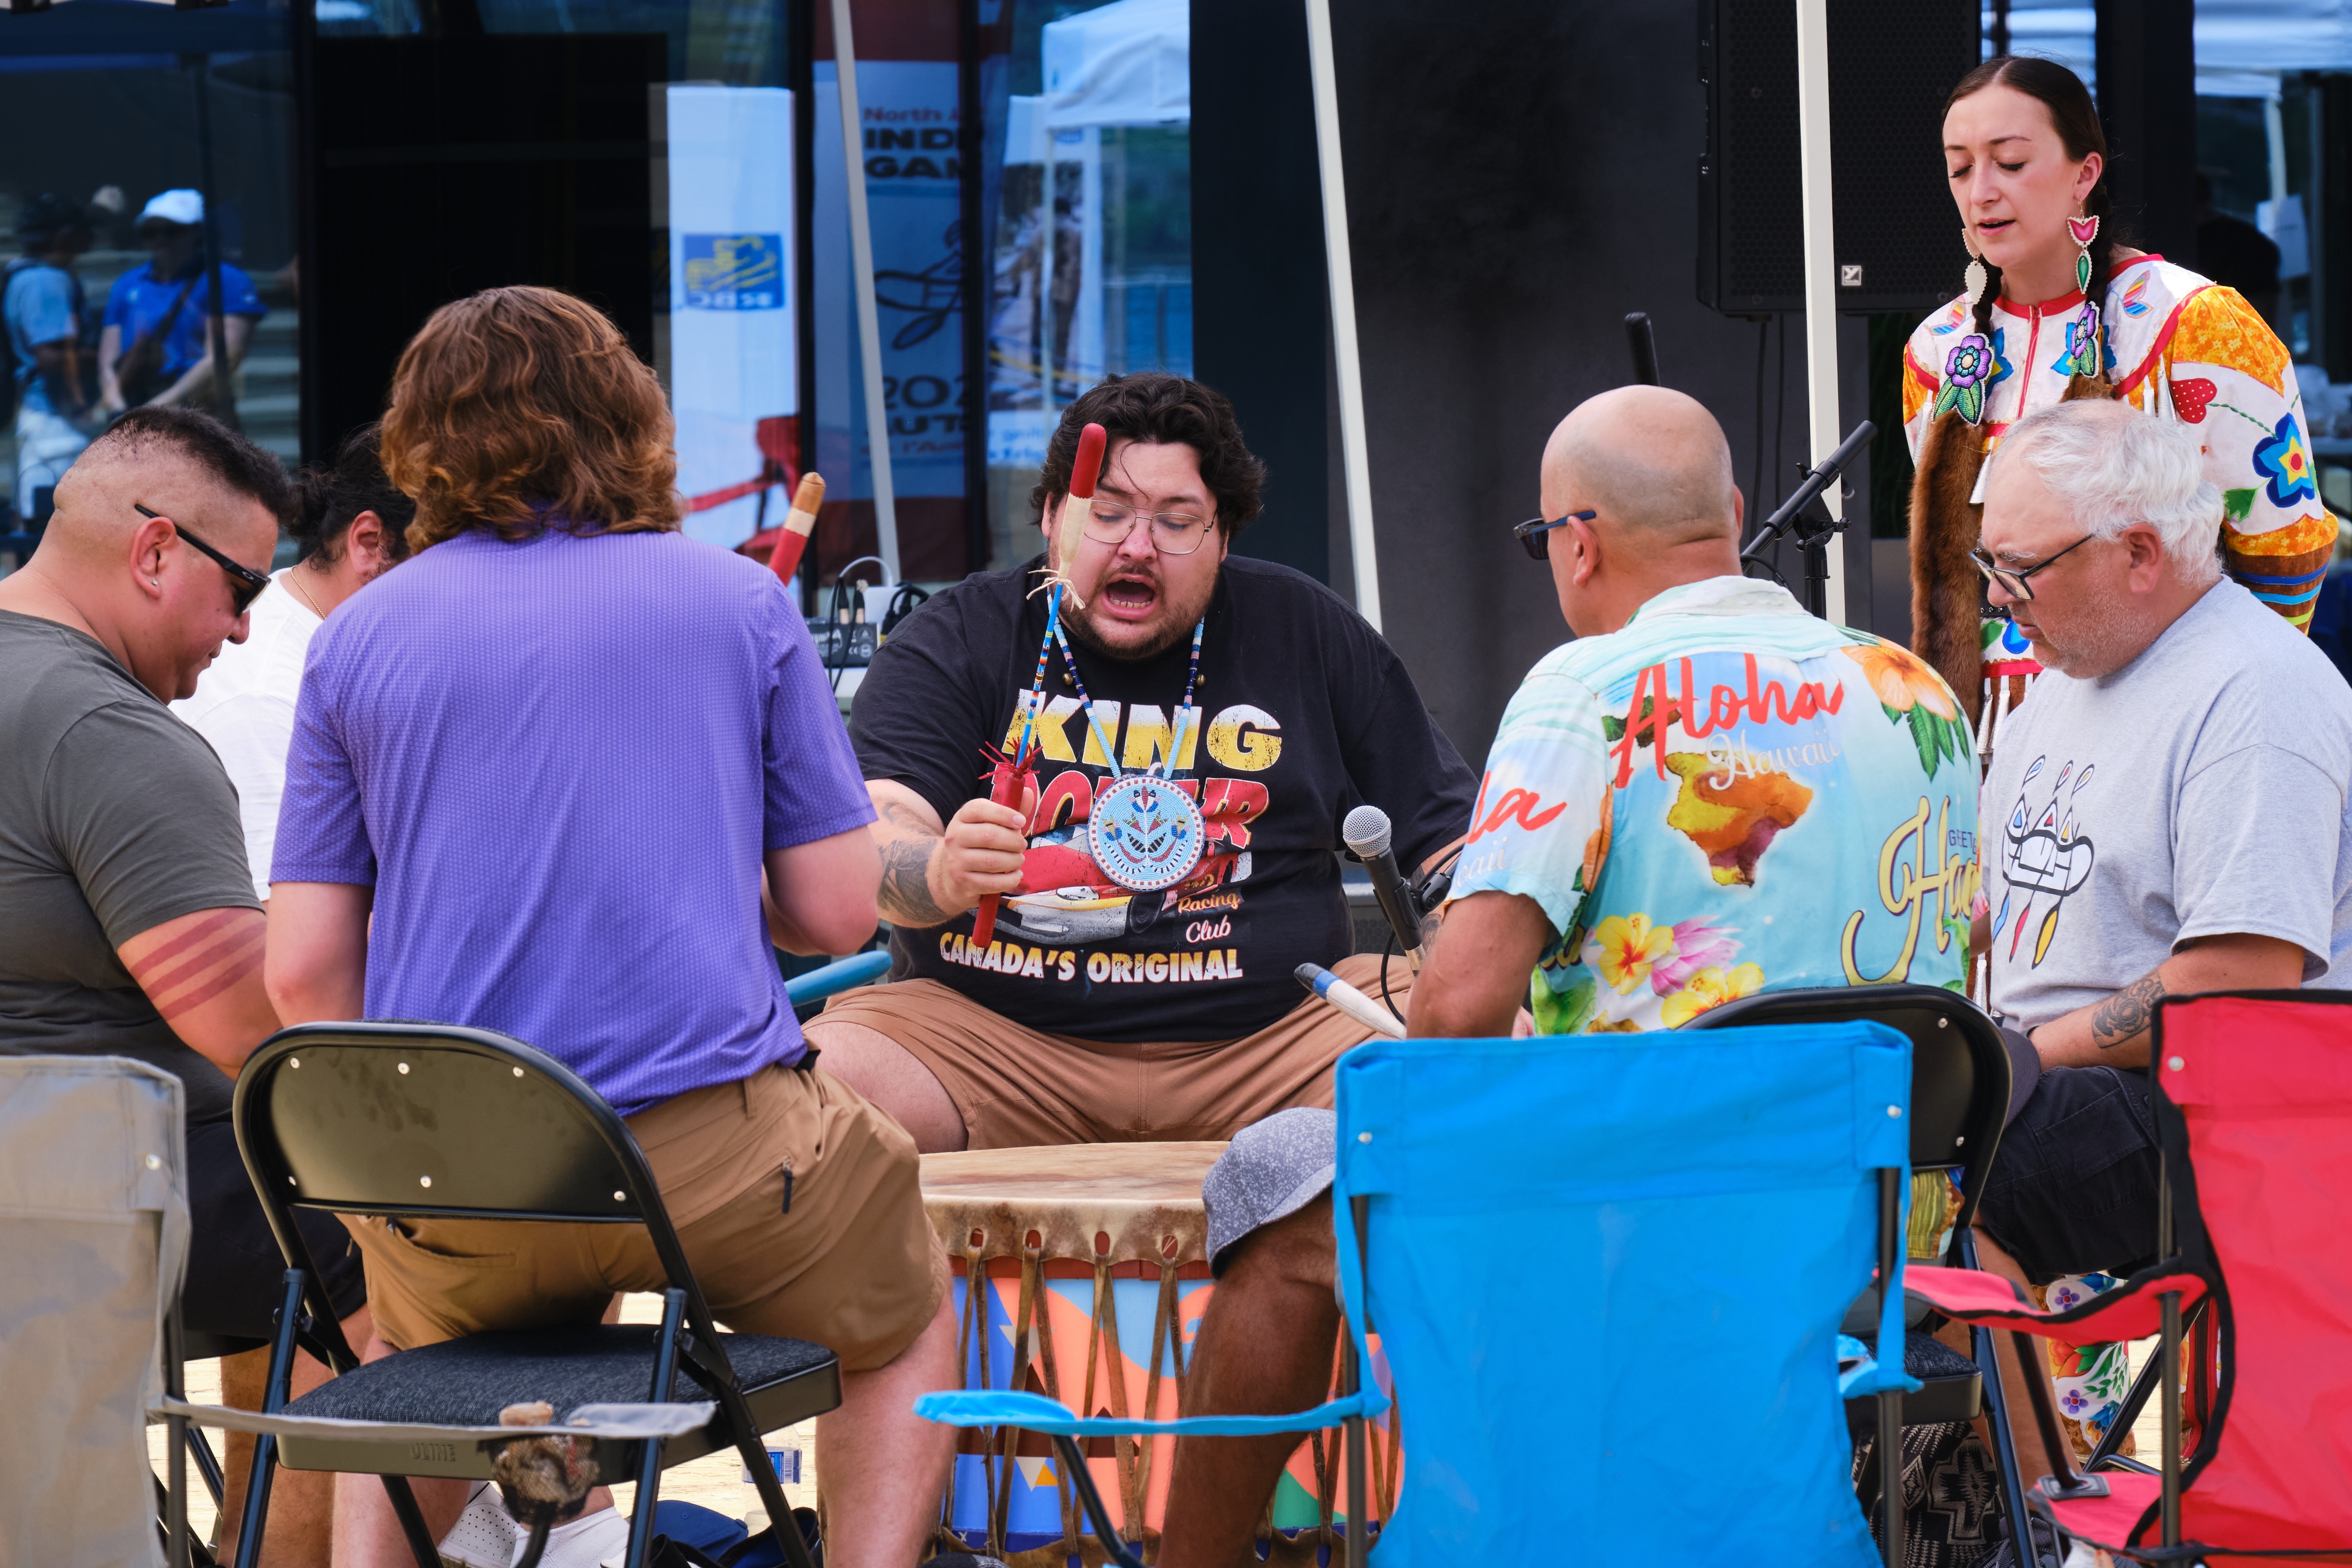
{"x":2142,"y":1389}
{"x":1985,"y":1351}
{"x":748,"y":1443}
{"x":176,"y":1431}
{"x":2065,"y":1482}
{"x":421,"y":1544}
{"x":1890,"y":1184}
{"x":2169,"y":1361}
{"x":640,"y":1517}
{"x":265,"y":1446}
{"x":1074,"y":1460}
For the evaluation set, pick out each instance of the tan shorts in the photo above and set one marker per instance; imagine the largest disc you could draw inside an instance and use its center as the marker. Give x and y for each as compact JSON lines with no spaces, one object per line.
{"x":854,"y":1265}
{"x":1016,"y":1086}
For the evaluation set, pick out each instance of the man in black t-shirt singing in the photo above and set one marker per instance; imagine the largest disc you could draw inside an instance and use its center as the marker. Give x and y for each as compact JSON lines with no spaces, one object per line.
{"x":1240,"y":704}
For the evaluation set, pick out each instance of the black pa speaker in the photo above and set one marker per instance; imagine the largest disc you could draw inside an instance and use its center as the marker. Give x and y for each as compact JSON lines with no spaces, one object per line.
{"x":1898,"y":235}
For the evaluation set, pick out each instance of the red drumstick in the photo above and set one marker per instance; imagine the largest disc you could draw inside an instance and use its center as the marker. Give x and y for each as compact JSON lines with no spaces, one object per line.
{"x":1006,"y":783}
{"x":794,"y":539}
{"x":1005,"y":788}
{"x":1070,"y":528}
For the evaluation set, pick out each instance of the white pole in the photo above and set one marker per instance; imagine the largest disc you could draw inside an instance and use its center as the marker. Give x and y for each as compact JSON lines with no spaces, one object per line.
{"x":1045,"y":292}
{"x":1821,"y":266}
{"x":1353,"y":454}
{"x":869,"y":331}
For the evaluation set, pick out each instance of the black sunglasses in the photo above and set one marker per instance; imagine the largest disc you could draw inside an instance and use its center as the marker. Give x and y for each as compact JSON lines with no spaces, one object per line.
{"x":1535,"y":532}
{"x":2013,"y":579}
{"x":249,"y":583}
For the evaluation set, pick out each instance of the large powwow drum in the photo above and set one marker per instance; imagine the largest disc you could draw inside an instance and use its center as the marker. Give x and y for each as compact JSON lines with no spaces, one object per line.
{"x":1094,"y":1259}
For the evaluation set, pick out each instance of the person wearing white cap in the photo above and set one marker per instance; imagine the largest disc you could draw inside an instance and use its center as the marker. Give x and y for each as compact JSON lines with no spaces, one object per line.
{"x":155,"y":347}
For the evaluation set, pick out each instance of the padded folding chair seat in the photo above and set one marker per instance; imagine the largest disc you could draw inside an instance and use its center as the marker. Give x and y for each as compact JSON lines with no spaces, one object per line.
{"x":427,"y":1119}
{"x":1950,"y":1388}
{"x":465,"y":1382}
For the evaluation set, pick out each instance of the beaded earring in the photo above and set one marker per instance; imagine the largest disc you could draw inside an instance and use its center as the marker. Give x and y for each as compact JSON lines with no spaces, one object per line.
{"x":2084,"y":230}
{"x":1978,"y":279}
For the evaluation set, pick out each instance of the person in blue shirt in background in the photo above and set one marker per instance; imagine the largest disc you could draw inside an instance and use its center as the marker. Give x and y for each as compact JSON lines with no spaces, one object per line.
{"x":155,"y":347}
{"x":47,"y":325}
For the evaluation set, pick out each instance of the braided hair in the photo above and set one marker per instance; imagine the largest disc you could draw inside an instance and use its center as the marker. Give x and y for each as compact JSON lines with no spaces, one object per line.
{"x":2076,"y":120}
{"x":331,"y":497}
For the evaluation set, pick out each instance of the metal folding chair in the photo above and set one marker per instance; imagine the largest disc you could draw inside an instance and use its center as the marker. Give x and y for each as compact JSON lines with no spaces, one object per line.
{"x":1960,"y":1080}
{"x":432,"y":1120}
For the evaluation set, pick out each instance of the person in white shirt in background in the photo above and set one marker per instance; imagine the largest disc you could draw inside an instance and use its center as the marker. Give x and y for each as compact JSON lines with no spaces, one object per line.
{"x":353,"y":527}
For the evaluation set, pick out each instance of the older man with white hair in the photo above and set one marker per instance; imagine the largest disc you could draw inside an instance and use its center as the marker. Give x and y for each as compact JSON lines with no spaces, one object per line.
{"x":2166,"y":813}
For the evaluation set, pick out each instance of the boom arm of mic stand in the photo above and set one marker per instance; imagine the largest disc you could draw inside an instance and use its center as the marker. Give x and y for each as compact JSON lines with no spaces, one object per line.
{"x":1806,"y":492}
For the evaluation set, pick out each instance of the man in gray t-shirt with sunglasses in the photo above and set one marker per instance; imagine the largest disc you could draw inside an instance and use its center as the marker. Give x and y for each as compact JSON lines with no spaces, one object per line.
{"x":2166,"y":813}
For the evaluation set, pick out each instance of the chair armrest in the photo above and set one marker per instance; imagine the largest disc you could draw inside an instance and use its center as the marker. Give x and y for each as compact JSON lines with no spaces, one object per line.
{"x":2130,"y":1311}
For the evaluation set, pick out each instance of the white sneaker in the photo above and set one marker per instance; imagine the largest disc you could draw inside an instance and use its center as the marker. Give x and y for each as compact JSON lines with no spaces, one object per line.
{"x":483,"y":1537}
{"x":487,"y":1537}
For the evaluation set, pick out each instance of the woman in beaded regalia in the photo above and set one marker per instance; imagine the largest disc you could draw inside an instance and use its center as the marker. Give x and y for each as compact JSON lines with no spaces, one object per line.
{"x":2057,"y":308}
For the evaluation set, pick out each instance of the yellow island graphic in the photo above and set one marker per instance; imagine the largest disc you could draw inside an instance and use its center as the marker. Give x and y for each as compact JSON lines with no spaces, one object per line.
{"x":1735,"y":822}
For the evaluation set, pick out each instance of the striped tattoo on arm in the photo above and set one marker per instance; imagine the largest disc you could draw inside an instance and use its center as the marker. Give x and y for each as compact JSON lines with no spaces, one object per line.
{"x":218,"y":951}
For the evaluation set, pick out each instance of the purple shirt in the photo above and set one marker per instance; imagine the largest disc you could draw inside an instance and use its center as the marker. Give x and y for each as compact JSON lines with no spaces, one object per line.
{"x":558,"y":764}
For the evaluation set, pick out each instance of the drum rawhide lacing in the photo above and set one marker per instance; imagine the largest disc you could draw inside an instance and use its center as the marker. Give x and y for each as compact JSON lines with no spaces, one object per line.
{"x":1102,"y":1211}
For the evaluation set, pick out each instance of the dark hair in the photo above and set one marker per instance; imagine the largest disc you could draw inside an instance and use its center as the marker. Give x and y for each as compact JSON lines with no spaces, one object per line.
{"x":524,"y":408}
{"x":1152,"y":405}
{"x":331,"y":497}
{"x":2076,"y":120}
{"x":46,"y":217}
{"x":229,"y":458}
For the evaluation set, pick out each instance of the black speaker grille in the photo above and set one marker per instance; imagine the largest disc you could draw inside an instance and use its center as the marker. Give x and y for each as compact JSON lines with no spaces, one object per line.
{"x":1890,"y":68}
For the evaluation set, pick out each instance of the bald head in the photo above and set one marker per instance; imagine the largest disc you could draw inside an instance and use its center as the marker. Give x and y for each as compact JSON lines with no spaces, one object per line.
{"x":1651,"y":461}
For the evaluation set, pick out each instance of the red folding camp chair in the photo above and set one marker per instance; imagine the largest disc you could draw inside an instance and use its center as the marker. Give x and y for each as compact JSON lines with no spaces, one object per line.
{"x":2253,"y":1108}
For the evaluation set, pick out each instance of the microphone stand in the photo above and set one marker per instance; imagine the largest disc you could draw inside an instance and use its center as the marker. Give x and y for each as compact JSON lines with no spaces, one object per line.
{"x":1812,"y":534}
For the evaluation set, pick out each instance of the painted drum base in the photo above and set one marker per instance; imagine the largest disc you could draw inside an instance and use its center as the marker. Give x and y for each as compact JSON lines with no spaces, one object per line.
{"x":1095,"y":1270}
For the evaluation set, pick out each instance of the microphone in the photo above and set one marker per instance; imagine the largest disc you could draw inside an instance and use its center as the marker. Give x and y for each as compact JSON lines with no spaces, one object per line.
{"x":1366,"y":833}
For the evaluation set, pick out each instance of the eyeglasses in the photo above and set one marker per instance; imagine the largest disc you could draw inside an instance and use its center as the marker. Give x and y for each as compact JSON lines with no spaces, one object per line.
{"x":1172,"y":532}
{"x":2013,"y":579}
{"x":249,"y":583}
{"x":1535,"y":533}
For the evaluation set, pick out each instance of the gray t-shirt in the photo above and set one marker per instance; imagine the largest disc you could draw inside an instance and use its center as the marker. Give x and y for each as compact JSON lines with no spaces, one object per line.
{"x":2199,"y":791}
{"x":114,"y":817}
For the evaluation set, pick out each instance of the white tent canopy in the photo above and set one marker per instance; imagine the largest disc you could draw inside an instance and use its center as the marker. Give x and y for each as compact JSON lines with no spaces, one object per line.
{"x":1128,"y":63}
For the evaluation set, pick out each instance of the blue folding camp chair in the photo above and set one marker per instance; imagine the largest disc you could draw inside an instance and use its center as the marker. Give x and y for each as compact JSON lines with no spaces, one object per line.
{"x":1636,"y":1173}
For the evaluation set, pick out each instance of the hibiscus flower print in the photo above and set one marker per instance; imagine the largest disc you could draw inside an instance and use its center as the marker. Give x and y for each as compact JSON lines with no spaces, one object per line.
{"x":1900,"y":681}
{"x":1709,"y":989}
{"x":1697,"y":945}
{"x":1626,"y":947}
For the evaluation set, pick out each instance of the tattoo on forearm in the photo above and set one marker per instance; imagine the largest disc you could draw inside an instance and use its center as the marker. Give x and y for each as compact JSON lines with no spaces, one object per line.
{"x":906,"y":884}
{"x":2128,"y":1012}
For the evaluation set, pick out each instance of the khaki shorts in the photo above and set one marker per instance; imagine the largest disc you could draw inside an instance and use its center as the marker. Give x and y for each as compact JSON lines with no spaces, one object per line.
{"x":853,"y":1264}
{"x":1016,"y":1086}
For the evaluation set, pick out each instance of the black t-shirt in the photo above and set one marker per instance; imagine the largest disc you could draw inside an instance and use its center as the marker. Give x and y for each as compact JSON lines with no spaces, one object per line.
{"x":1305,"y":713}
{"x":114,"y":817}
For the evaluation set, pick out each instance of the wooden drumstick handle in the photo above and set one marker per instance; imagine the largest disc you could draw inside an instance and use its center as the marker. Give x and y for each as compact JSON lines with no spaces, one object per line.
{"x":1086,"y":469}
{"x":1005,"y":788}
{"x":798,"y":522}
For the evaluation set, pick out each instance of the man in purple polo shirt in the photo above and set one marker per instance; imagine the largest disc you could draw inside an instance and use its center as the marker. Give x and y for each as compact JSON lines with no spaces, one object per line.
{"x":553,"y":757}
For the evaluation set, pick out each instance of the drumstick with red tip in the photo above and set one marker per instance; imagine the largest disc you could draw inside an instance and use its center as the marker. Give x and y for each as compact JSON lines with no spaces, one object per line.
{"x":1070,"y":528}
{"x":1007,"y":783}
{"x":1330,"y":988}
{"x":794,"y":539}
